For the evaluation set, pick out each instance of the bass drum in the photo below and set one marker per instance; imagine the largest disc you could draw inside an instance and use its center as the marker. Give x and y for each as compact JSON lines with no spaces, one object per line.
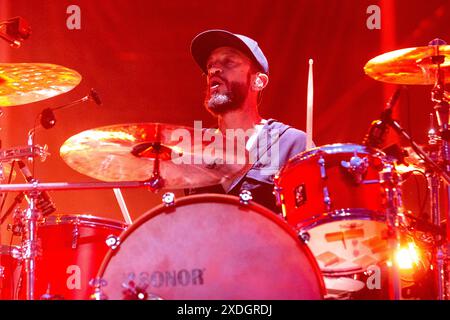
{"x":210,"y":247}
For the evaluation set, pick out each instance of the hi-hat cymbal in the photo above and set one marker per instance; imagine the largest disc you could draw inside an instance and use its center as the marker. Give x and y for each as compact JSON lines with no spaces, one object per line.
{"x":410,"y":65}
{"x":132,"y":152}
{"x":22,"y":83}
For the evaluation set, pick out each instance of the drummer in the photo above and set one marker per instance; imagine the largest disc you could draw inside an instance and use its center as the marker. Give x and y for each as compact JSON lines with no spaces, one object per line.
{"x":237,"y":72}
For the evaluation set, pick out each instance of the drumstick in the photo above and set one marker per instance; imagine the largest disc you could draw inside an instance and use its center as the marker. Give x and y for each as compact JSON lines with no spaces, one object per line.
{"x":309,"y":107}
{"x":123,"y":206}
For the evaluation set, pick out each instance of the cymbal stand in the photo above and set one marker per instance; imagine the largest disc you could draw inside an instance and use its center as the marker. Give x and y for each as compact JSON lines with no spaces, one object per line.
{"x":441,"y":109}
{"x":389,"y":180}
{"x":30,"y":244}
{"x":439,"y":167}
{"x":440,"y":175}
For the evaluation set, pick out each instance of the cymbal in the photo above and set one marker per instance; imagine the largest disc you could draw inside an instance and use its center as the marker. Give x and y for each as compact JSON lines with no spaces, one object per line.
{"x":133,"y":152}
{"x":409,"y":66}
{"x":22,"y":83}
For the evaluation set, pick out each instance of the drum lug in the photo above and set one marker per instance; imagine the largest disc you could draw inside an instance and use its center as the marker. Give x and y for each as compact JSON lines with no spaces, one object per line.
{"x":323,"y":171}
{"x":326,"y":198}
{"x":168,"y":199}
{"x":277,"y":193}
{"x":98,"y":294}
{"x":304,"y":236}
{"x":245,"y":197}
{"x":75,"y":236}
{"x":112,"y":241}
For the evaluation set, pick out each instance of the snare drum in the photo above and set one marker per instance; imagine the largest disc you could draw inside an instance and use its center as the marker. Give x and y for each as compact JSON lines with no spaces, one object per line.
{"x":72,"y":249}
{"x":210,"y":247}
{"x":333,"y":198}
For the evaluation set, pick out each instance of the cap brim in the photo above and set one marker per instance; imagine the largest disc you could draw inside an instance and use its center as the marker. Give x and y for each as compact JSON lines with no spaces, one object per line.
{"x":206,"y":42}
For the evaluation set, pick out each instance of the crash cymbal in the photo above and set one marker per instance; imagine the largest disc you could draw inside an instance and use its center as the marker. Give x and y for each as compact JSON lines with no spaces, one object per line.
{"x":410,"y":66}
{"x":22,"y":83}
{"x":132,"y":152}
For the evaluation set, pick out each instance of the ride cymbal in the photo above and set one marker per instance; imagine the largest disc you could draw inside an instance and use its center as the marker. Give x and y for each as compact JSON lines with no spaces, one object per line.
{"x":22,"y":83}
{"x":134,"y":152}
{"x":411,"y":65}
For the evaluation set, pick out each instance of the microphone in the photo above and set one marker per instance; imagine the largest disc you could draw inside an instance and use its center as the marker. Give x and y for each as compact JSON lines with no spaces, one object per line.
{"x":44,"y":202}
{"x":379,"y":128}
{"x":48,"y":119}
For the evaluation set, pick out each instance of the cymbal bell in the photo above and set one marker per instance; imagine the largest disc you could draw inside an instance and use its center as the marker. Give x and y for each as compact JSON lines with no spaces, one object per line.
{"x":22,"y":83}
{"x":135,"y":152}
{"x":410,"y":66}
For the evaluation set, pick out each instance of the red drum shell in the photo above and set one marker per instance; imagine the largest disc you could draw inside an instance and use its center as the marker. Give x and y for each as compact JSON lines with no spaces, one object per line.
{"x":9,"y":272}
{"x":344,"y":193}
{"x":72,"y":248}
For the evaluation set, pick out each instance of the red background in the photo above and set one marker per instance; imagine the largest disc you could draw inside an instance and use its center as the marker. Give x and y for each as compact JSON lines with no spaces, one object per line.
{"x":136,"y":55}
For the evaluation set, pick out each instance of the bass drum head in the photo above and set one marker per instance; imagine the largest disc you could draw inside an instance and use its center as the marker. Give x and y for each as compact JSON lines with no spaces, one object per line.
{"x":211,"y":247}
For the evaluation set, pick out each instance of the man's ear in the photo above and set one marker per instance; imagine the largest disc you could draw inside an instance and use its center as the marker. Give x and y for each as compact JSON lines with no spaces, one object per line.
{"x":260,"y":81}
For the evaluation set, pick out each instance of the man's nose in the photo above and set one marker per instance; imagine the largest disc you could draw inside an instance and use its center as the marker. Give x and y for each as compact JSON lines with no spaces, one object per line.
{"x":214,"y":70}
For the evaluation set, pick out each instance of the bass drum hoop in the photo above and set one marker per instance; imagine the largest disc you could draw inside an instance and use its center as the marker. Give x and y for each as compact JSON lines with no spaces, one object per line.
{"x":87,"y":220}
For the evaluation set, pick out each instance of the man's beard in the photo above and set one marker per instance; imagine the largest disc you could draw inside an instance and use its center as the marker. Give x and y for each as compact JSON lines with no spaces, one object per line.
{"x":233,"y":99}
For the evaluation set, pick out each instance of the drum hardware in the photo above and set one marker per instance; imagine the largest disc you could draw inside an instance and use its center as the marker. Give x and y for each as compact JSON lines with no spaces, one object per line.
{"x":326,"y":195}
{"x":389,"y":182}
{"x":20,"y":153}
{"x":245,"y":196}
{"x":168,"y":199}
{"x":133,"y":292}
{"x":426,"y":66}
{"x":98,"y":284}
{"x":356,"y":167}
{"x":48,"y":118}
{"x":304,"y":236}
{"x":75,"y":235}
{"x":326,"y":198}
{"x":277,"y":192}
{"x":112,"y":241}
{"x":15,"y":31}
{"x":30,"y":244}
{"x":323,"y":171}
{"x":17,"y":201}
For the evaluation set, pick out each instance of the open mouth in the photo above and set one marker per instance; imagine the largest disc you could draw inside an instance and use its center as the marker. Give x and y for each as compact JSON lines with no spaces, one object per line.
{"x":215,"y":83}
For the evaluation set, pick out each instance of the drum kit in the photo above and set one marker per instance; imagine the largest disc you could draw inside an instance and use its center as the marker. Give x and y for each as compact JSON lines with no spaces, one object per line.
{"x":342,"y":218}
